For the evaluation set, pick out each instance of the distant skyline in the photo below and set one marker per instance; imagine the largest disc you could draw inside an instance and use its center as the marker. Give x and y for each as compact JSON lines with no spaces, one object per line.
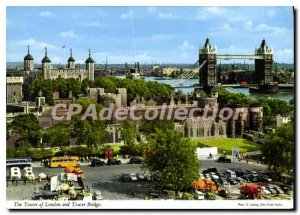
{"x":146,"y":34}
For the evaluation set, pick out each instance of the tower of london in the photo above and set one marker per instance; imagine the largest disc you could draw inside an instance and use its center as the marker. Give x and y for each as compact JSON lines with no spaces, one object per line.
{"x":48,"y":72}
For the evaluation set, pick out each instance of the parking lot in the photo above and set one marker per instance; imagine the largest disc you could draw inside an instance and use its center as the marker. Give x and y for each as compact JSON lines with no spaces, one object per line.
{"x":107,"y":180}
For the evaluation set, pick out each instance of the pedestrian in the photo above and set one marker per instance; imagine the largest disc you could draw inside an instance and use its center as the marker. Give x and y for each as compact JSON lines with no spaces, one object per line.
{"x":132,"y":193}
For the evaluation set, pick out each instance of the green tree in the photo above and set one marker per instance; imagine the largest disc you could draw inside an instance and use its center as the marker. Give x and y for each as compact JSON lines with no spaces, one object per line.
{"x":27,"y":126}
{"x":128,"y":133}
{"x":91,"y":133}
{"x":58,"y":135}
{"x":174,"y":158}
{"x":278,"y":150}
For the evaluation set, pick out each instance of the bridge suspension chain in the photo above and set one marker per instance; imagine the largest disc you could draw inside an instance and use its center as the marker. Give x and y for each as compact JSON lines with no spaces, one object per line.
{"x":279,"y":73}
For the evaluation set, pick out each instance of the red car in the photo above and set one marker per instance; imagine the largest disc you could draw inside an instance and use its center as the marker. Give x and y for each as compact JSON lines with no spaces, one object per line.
{"x":225,"y":193}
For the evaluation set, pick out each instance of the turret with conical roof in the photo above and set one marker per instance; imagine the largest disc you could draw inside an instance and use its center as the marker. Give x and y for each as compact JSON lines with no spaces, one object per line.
{"x":208,"y":48}
{"x":89,"y":60}
{"x":28,"y":61}
{"x":263,"y":49}
{"x":90,"y":66}
{"x":46,"y":59}
{"x":46,"y":65}
{"x":71,"y":61}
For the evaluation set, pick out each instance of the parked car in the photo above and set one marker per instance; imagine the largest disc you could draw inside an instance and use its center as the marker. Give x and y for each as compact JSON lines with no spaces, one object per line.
{"x":264,"y":178}
{"x":240,"y":180}
{"x":253,"y":179}
{"x":224,"y":159}
{"x":97,"y":195}
{"x":278,"y":190}
{"x":97,"y":162}
{"x":113,"y":162}
{"x":232,"y":180}
{"x":125,"y":177}
{"x":209,"y":170}
{"x":265,"y":191}
{"x":133,"y":177}
{"x":46,"y":194}
{"x":135,"y":160}
{"x":199,"y":195}
{"x":271,"y":189}
{"x":254,"y":173}
{"x":215,"y":177}
{"x":241,"y":172}
{"x":202,"y":176}
{"x":246,"y":178}
{"x":225,"y":193}
{"x":140,"y":176}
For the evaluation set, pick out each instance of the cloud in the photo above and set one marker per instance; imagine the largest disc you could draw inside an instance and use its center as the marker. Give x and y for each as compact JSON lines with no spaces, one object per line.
{"x":284,"y":55}
{"x":271,"y":13}
{"x":226,"y":27}
{"x":167,"y":15}
{"x":268,"y":29}
{"x":185,"y":46}
{"x":248,"y":24}
{"x":207,"y":12}
{"x":68,"y":34}
{"x":127,"y":15}
{"x":34,"y":44}
{"x":46,"y":14}
{"x":92,"y":24}
{"x":155,"y":38}
{"x":127,"y":57}
{"x":151,"y":10}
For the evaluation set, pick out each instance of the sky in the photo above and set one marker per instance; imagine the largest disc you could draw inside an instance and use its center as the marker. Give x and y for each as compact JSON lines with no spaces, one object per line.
{"x":146,"y":34}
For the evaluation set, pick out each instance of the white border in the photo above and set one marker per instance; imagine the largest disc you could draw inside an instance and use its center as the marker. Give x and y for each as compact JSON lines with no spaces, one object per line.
{"x":117,"y":204}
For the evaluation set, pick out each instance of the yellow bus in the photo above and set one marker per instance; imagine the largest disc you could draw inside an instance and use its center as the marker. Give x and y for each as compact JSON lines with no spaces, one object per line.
{"x":65,"y":161}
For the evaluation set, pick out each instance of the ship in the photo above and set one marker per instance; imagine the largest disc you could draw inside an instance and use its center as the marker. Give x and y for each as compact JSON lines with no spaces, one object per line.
{"x":265,"y":88}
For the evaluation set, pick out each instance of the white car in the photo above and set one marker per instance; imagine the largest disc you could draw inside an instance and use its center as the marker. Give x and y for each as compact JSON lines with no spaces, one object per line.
{"x":254,"y":173}
{"x":140,"y":176}
{"x":265,"y":191}
{"x":215,"y":177}
{"x":133,"y":177}
{"x":97,"y":195}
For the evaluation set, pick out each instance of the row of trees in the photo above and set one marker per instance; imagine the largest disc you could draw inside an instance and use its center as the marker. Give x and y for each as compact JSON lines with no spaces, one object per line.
{"x":109,"y":83}
{"x":271,"y":107}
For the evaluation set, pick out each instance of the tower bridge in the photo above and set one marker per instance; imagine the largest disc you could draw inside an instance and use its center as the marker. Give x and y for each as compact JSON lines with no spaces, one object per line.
{"x":265,"y":68}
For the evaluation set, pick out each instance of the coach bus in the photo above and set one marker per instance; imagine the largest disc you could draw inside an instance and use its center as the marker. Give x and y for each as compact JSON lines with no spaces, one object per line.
{"x":65,"y":161}
{"x":20,"y":162}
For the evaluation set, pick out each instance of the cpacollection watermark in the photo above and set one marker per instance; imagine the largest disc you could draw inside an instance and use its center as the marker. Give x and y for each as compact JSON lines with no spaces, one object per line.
{"x":139,"y":112}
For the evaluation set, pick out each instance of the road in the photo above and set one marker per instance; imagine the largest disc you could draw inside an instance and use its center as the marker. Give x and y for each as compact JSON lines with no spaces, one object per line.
{"x":106,"y":179}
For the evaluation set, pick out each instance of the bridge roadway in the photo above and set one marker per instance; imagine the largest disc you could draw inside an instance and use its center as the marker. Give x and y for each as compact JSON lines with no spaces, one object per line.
{"x":243,"y":57}
{"x":280,"y":86}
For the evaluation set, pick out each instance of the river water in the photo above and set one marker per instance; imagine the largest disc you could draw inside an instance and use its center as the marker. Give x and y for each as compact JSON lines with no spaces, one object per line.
{"x":285,"y":95}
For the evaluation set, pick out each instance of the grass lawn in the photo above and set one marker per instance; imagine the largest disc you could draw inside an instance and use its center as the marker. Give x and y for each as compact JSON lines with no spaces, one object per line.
{"x":226,"y":144}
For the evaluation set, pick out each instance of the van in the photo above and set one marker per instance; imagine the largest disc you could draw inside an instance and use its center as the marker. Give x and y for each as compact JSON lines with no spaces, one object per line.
{"x":230,"y":173}
{"x":199,"y":195}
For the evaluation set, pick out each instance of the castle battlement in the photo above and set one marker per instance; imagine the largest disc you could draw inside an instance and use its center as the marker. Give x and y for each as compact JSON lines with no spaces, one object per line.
{"x":14,"y":80}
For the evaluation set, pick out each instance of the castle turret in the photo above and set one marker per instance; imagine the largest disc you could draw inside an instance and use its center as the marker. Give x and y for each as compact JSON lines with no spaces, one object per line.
{"x":208,"y":72}
{"x":263,"y":67}
{"x":46,"y":65}
{"x":90,"y":66}
{"x":71,"y":61}
{"x":28,"y":62}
